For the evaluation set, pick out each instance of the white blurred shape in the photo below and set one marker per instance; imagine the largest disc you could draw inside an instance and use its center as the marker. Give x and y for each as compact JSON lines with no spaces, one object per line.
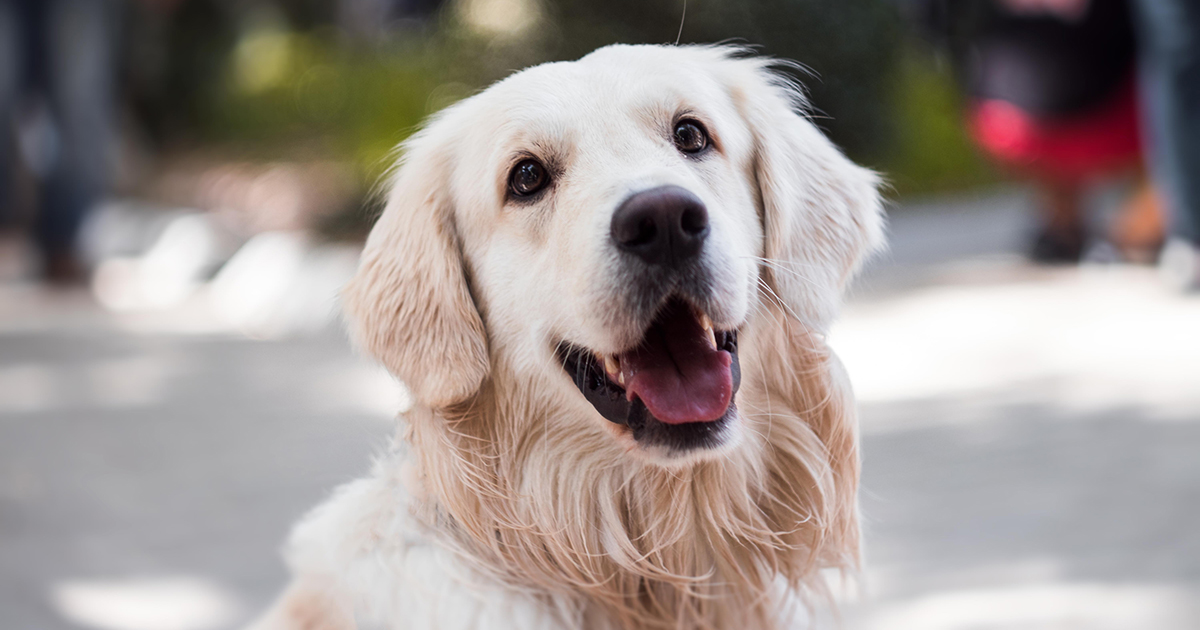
{"x":175,"y":264}
{"x":1041,"y":607}
{"x":365,"y":388}
{"x":167,"y":603}
{"x":167,"y":274}
{"x":1091,"y":339}
{"x":312,"y":300}
{"x":115,"y":284}
{"x":248,"y":289}
{"x":1179,"y":265}
{"x":505,"y":18}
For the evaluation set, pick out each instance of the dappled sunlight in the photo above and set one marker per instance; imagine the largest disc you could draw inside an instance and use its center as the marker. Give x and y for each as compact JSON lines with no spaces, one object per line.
{"x":1086,"y":340}
{"x":166,"y":274}
{"x":123,"y":383}
{"x":501,"y":18}
{"x":364,"y":388}
{"x":256,"y":278}
{"x":1046,"y":606}
{"x":162,"y":603}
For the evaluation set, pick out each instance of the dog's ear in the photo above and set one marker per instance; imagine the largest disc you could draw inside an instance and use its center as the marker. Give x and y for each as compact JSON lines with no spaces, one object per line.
{"x":409,"y":304}
{"x":821,"y":213}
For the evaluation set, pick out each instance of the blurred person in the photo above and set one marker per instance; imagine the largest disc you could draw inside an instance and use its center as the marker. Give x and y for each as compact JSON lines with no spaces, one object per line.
{"x":1169,"y":68}
{"x":1053,"y":95}
{"x":57,"y":77}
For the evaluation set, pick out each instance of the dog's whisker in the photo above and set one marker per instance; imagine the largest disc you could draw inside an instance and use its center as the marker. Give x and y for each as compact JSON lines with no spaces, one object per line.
{"x":779,"y":301}
{"x":787,"y":267}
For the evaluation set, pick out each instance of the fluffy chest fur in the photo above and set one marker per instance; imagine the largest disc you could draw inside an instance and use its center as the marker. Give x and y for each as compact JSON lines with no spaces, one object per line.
{"x":509,"y":527}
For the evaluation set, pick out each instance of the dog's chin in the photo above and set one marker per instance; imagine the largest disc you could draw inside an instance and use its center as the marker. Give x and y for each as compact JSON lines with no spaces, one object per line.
{"x":671,"y":396}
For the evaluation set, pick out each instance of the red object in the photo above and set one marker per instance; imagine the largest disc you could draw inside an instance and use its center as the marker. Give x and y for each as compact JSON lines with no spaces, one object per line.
{"x":1100,"y":140}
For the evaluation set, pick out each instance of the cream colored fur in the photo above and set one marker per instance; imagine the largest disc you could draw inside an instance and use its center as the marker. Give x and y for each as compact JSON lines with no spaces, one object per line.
{"x":507,"y":501}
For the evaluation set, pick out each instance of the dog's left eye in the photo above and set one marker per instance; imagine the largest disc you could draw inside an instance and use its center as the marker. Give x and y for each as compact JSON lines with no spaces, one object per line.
{"x":527,"y":177}
{"x":690,"y":136}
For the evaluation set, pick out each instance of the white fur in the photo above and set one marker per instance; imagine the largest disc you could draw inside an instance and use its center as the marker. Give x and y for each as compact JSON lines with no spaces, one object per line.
{"x":508,"y":501}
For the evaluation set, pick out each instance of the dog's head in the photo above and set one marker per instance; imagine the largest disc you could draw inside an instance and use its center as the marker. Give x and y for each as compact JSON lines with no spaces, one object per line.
{"x":606,"y":228}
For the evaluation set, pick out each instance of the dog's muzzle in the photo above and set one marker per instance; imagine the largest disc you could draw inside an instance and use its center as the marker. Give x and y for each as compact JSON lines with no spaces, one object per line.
{"x":675,"y":387}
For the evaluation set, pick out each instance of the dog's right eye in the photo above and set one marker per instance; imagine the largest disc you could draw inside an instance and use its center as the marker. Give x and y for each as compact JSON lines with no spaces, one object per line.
{"x":527,"y":177}
{"x":690,"y":136}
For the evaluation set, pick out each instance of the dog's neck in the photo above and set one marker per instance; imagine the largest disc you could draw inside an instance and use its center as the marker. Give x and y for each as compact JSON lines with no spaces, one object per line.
{"x":538,"y":503}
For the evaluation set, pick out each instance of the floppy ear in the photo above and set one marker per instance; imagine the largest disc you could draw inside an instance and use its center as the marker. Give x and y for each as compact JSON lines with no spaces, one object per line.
{"x":821,"y":213}
{"x":409,"y":304}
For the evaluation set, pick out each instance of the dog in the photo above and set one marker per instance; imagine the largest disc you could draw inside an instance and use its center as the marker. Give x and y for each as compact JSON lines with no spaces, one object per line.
{"x":606,"y":284}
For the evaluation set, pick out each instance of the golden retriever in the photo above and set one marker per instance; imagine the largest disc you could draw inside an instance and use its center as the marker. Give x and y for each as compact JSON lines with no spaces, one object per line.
{"x":606,"y":283}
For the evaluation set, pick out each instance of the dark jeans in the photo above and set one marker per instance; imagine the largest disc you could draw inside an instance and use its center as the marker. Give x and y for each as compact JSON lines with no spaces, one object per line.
{"x":1169,"y":39}
{"x":57,"y":76}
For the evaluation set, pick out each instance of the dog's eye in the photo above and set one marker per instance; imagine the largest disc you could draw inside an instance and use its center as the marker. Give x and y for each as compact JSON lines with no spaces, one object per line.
{"x":527,"y":177}
{"x":690,"y":136}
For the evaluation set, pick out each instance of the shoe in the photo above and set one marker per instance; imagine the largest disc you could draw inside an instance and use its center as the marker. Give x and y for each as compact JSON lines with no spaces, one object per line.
{"x":1057,"y":246}
{"x":1179,"y":265}
{"x":63,"y":269}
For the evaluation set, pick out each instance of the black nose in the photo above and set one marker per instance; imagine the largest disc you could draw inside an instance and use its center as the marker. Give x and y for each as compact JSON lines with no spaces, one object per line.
{"x":662,"y":226}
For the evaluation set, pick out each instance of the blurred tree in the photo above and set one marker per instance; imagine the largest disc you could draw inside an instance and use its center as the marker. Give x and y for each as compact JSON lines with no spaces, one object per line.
{"x":850,"y":46}
{"x":175,"y":61}
{"x":348,"y":79}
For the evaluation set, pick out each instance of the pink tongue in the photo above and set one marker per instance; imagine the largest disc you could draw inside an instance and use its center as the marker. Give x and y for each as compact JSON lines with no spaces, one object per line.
{"x":676,"y":373}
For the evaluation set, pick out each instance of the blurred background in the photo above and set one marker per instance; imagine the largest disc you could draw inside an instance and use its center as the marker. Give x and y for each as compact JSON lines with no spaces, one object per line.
{"x":185,"y":185}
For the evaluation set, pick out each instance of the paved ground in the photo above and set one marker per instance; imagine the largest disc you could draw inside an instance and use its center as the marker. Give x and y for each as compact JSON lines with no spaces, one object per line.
{"x":1031,"y":440}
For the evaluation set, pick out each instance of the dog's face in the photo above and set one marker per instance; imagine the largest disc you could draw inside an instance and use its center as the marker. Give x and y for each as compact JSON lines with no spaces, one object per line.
{"x":604,"y":229}
{"x":613,"y":234}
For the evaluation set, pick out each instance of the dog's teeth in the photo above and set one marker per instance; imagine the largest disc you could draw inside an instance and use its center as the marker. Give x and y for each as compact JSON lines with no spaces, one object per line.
{"x":707,"y":325}
{"x":612,"y":366}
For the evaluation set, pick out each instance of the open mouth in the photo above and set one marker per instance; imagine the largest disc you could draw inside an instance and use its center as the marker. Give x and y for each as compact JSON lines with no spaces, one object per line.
{"x":674,"y":389}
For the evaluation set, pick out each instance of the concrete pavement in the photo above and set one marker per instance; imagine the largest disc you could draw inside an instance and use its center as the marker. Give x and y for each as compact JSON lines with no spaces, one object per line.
{"x":1031,"y":441}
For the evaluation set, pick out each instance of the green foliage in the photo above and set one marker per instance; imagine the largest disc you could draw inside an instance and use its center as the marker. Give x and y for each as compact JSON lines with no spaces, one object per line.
{"x":275,"y":86}
{"x":930,"y":150}
{"x":318,"y":97}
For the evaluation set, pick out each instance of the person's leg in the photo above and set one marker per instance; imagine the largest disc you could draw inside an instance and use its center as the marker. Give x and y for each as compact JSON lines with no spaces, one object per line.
{"x":1061,"y":236}
{"x":80,"y":81}
{"x":1169,"y":65}
{"x":10,"y":81}
{"x":1138,"y":230}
